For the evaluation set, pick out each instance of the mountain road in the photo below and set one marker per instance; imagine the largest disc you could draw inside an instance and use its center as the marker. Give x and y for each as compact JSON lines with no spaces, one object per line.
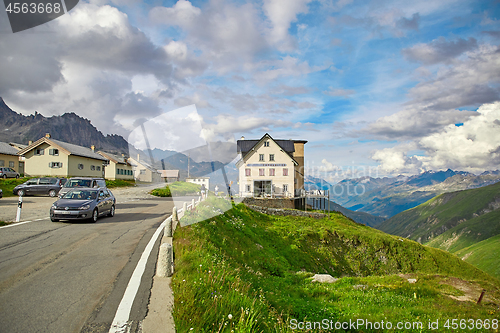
{"x":71,"y":276}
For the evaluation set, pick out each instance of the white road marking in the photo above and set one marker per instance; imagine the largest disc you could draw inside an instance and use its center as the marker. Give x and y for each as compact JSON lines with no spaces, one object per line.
{"x":121,"y":321}
{"x":19,"y":223}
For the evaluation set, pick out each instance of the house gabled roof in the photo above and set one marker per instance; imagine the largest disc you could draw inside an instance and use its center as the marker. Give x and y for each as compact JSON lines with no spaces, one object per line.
{"x":114,"y":158}
{"x":7,"y":149}
{"x":245,"y":147}
{"x":136,"y":163}
{"x":18,"y":146}
{"x":68,"y":148}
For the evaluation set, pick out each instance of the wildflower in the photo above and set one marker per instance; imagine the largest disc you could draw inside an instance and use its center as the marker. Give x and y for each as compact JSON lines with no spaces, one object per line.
{"x":230,"y":316}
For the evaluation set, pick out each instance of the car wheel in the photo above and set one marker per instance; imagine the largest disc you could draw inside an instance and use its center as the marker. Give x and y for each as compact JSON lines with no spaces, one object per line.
{"x":4,"y":176}
{"x":54,"y":220}
{"x":52,"y":193}
{"x":112,"y":211}
{"x":17,"y":176}
{"x":95,"y":215}
{"x":20,"y":193}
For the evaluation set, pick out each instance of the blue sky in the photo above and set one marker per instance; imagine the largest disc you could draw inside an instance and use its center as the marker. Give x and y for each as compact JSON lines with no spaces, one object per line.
{"x":367,"y":83}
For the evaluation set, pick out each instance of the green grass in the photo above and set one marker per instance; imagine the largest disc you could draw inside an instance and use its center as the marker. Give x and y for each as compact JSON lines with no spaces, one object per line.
{"x":257,"y":268}
{"x":468,"y":232}
{"x":441,"y":213}
{"x":484,"y":255}
{"x":7,"y":185}
{"x":119,"y":183}
{"x":2,"y":223}
{"x":176,"y":189}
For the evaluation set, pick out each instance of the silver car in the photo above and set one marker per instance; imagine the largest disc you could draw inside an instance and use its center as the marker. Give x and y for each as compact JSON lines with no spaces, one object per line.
{"x":8,"y":173}
{"x":83,"y":204}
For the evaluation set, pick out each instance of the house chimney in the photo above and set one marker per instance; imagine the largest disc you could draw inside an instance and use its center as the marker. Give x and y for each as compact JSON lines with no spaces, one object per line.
{"x":92,"y":147}
{"x":242,"y":138}
{"x":30,"y":142}
{"x":47,"y":135}
{"x":138,"y":157}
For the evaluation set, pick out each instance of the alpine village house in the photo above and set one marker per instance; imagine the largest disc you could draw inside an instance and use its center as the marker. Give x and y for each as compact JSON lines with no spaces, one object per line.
{"x":270,"y":168}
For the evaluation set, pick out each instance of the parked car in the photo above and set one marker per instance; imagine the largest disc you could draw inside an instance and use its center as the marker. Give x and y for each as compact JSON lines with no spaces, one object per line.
{"x":8,"y":173}
{"x":40,"y":186}
{"x":83,"y":203}
{"x":81,"y":182}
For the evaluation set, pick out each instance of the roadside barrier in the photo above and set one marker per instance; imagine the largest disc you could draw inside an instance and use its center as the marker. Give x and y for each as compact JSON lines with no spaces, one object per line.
{"x":165,"y":264}
{"x":19,"y":207}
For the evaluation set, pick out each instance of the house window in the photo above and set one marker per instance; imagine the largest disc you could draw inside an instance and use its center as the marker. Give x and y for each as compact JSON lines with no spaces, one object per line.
{"x":266,"y":144}
{"x":11,"y":164}
{"x":92,"y":167}
{"x":261,"y":172}
{"x":248,"y":172}
{"x":285,"y":171}
{"x":143,"y":171}
{"x":248,"y":188}
{"x":54,"y":152}
{"x":285,"y":188}
{"x":261,"y":157}
{"x":271,"y":172}
{"x":39,"y":151}
{"x":2,"y":163}
{"x":55,"y":165}
{"x":98,"y":168}
{"x":271,"y":157}
{"x":80,"y":166}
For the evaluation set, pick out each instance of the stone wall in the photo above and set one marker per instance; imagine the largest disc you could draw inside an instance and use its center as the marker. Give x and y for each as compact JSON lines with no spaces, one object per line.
{"x":285,"y":212}
{"x":270,"y":203}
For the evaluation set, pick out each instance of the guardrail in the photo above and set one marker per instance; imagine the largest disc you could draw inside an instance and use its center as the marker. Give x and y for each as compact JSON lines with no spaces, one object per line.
{"x":165,"y":265}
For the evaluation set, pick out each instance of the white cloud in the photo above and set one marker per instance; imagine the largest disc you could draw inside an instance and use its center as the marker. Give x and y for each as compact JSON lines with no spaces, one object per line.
{"x":281,"y":14}
{"x":470,"y":82}
{"x":474,"y":147}
{"x":439,"y":50}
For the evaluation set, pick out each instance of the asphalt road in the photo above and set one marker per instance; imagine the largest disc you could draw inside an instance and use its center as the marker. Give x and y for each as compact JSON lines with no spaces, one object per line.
{"x":71,"y":276}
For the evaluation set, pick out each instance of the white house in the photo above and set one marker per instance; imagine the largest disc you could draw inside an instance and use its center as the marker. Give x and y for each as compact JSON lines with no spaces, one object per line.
{"x":199,"y":181}
{"x":270,"y":167}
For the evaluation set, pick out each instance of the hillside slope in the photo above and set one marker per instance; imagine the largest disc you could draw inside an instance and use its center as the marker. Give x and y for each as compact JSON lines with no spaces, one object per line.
{"x":248,"y":272}
{"x":484,"y":255}
{"x":443,"y":213}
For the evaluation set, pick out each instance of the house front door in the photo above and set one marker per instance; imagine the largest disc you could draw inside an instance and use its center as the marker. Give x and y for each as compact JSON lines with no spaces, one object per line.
{"x":262,"y":187}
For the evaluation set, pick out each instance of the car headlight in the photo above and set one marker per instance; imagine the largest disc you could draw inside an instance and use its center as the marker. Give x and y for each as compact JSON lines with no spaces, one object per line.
{"x":84,"y":207}
{"x":54,"y":206}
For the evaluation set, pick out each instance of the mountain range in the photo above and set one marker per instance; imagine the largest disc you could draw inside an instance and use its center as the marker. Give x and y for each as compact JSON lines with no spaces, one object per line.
{"x":387,"y":196}
{"x":68,"y":127}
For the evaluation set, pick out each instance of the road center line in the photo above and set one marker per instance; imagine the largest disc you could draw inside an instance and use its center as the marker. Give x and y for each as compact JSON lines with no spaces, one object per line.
{"x":120,"y":322}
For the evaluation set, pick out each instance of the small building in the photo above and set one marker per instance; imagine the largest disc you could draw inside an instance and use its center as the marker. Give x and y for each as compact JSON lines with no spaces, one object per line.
{"x":169,"y":176}
{"x":49,"y":157}
{"x":199,"y":181}
{"x":9,"y":158}
{"x":143,"y":171}
{"x":270,"y":167}
{"x":118,"y":167}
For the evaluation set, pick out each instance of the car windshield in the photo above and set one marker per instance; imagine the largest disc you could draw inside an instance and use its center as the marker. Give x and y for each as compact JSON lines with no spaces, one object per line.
{"x":78,"y":183}
{"x":81,"y":195}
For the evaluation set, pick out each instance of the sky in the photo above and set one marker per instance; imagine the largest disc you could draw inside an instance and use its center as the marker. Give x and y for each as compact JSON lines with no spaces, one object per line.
{"x":377,"y":88}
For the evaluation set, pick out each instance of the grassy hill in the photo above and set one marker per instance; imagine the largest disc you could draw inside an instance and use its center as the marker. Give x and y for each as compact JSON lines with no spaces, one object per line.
{"x":443,"y":213}
{"x":243,"y":271}
{"x":484,"y":255}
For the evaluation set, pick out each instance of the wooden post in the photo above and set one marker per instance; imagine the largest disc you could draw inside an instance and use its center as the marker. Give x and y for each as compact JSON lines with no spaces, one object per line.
{"x":481,"y":297}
